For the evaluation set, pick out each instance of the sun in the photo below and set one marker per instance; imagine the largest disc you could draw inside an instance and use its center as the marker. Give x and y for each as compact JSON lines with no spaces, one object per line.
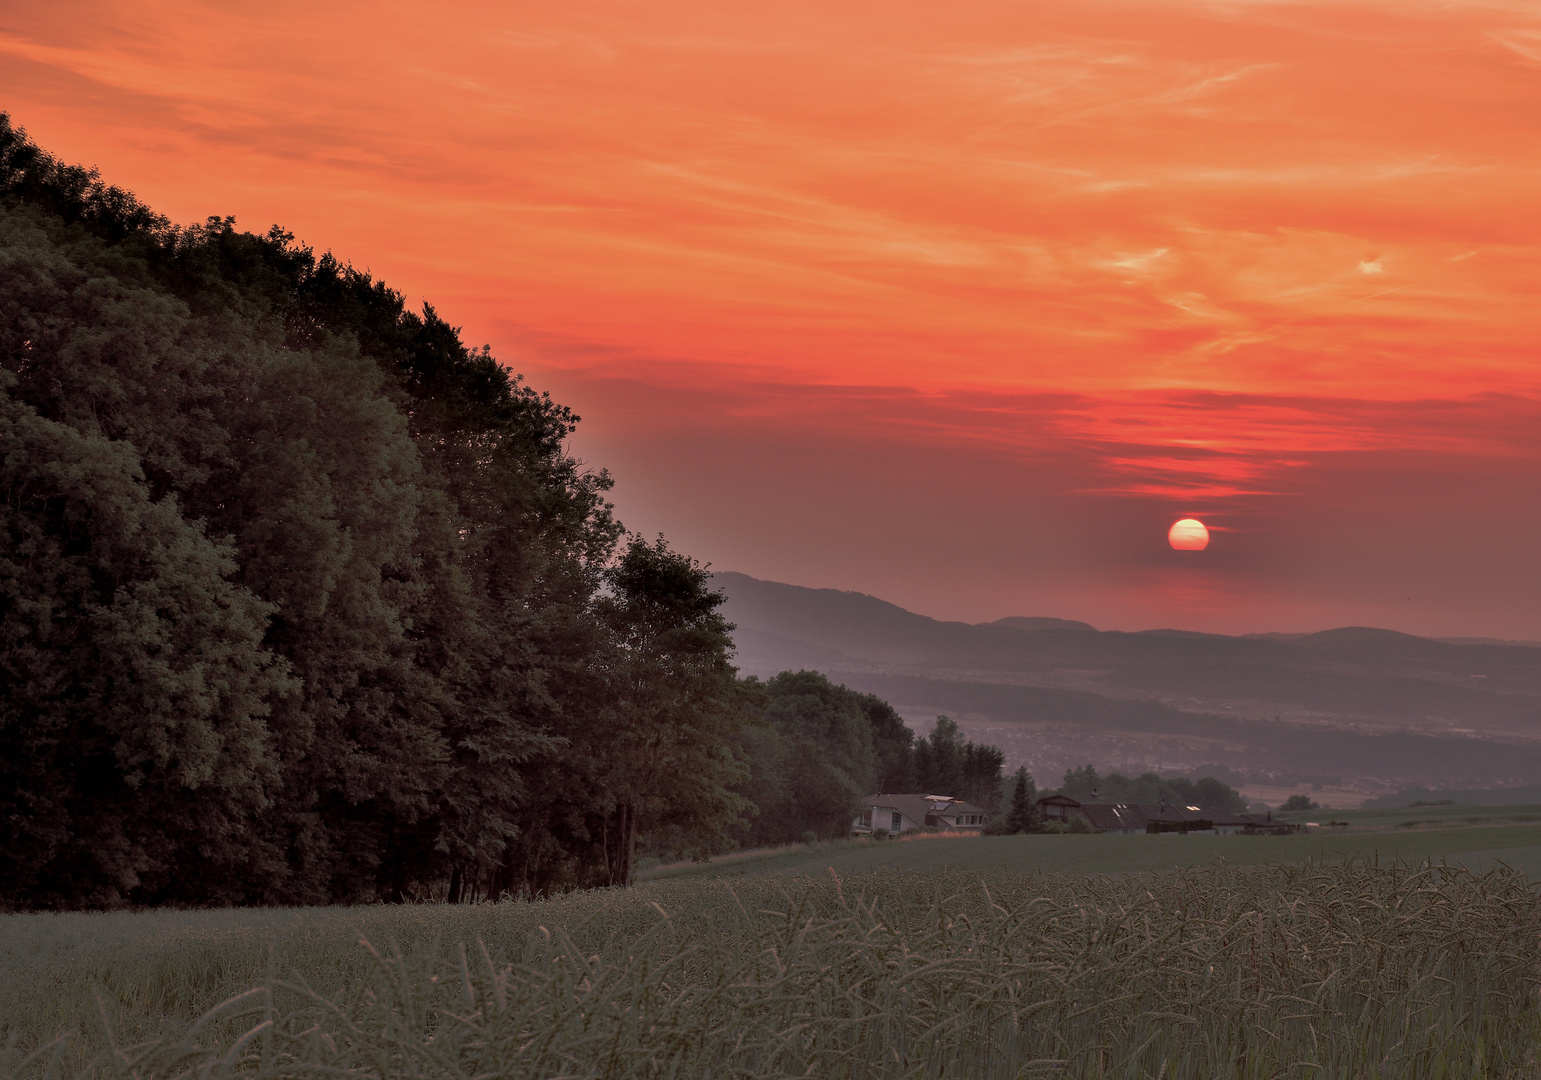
{"x":1188,"y":534}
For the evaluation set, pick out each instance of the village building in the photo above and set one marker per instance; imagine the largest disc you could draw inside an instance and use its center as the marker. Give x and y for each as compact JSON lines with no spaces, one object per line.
{"x":898,"y":814}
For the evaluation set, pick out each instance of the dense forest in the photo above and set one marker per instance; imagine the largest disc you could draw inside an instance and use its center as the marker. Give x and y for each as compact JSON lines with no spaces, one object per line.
{"x":304,"y":601}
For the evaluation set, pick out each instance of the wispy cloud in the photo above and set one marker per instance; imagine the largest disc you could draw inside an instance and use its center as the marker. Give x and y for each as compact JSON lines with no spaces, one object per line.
{"x":1181,"y":252}
{"x":1059,"y":201}
{"x":1525,"y":43}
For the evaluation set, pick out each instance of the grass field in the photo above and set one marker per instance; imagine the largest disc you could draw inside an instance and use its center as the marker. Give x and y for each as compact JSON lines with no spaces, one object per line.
{"x":928,"y":958}
{"x":1426,"y":816}
{"x":1478,"y":838}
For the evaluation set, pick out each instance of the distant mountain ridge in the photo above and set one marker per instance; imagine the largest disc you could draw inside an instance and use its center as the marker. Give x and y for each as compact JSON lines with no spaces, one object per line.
{"x":1026,"y":622}
{"x":1172,"y":698}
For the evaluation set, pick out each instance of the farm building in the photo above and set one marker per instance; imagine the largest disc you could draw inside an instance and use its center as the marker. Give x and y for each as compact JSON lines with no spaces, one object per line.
{"x":1108,"y":816}
{"x":896,"y":814}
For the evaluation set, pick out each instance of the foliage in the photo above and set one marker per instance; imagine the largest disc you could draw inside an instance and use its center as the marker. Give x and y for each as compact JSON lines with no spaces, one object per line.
{"x":1023,"y":815}
{"x":133,"y":735}
{"x":660,"y":750}
{"x":303,"y":600}
{"x":1327,"y":970}
{"x":1081,"y":783}
{"x":820,"y":748}
{"x":812,"y":760}
{"x":893,"y":747}
{"x":1304,"y":802}
{"x":1207,"y":793}
{"x":948,"y":764}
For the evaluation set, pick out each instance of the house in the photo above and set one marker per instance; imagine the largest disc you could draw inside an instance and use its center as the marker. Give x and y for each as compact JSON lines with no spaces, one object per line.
{"x":1107,"y":816}
{"x":1235,"y":824}
{"x":897,"y":814}
{"x":1178,"y":818}
{"x":1103,"y":815}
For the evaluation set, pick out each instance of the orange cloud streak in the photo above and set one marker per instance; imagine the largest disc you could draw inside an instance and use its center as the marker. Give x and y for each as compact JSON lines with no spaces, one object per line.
{"x":1257,"y":197}
{"x":1206,"y":246}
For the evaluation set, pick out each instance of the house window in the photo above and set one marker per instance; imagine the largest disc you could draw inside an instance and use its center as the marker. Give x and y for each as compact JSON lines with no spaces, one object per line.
{"x":866,"y":818}
{"x":898,"y":822}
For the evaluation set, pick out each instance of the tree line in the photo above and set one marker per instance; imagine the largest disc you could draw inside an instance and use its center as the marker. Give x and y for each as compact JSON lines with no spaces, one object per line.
{"x":304,"y":601}
{"x":1207,"y":793}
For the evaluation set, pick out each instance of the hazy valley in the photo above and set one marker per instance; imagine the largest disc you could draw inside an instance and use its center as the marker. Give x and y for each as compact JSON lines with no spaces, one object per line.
{"x":1351,"y":713}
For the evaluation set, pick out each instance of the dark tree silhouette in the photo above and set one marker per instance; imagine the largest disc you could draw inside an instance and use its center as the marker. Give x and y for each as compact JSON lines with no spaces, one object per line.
{"x":1023,"y":815}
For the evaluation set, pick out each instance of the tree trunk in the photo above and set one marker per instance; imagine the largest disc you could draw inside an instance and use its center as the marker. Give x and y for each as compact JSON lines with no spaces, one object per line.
{"x":629,"y":870}
{"x":456,"y":885}
{"x":618,"y":857}
{"x":604,"y":849}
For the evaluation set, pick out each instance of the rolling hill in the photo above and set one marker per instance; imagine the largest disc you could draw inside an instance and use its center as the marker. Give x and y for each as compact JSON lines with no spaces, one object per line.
{"x":1355,"y":708}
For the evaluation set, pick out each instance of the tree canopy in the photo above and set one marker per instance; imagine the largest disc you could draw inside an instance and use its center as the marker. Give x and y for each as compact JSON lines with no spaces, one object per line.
{"x":304,"y":601}
{"x":301,"y":598}
{"x":948,"y":764}
{"x":819,"y":749}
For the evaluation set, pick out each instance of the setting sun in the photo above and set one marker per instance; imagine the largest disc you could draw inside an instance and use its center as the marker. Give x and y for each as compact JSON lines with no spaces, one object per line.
{"x":1189,"y":534}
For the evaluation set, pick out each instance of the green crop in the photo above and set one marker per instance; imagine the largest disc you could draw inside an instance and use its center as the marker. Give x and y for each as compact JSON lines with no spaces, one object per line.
{"x":1342,"y":970}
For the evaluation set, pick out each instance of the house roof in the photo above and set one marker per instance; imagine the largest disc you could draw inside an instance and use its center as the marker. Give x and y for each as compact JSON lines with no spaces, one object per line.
{"x":1177,"y":813}
{"x":916,"y":807}
{"x":1109,"y":816}
{"x":958,"y":806}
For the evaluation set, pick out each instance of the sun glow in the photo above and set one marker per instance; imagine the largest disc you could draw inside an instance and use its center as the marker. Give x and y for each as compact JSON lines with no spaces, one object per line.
{"x":1189,"y":534}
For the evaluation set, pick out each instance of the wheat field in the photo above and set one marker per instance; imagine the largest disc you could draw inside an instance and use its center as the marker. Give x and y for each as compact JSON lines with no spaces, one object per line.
{"x":1350,"y":970}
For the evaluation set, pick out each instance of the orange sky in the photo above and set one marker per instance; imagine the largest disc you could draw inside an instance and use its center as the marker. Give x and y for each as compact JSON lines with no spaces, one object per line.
{"x":957,"y":304}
